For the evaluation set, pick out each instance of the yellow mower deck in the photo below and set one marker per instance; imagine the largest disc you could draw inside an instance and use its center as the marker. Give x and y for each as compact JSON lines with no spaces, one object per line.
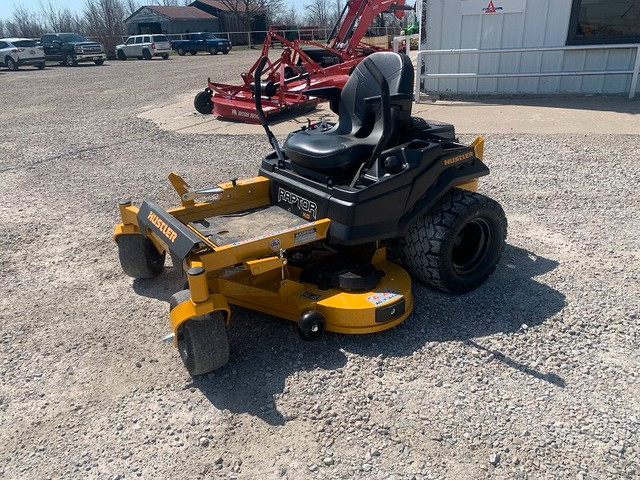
{"x":241,"y":262}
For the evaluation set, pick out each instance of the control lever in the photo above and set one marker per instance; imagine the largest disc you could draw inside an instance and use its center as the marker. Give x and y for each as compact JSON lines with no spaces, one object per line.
{"x":202,"y":192}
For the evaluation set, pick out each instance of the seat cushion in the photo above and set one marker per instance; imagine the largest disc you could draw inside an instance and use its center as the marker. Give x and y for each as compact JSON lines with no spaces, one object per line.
{"x":327,"y":152}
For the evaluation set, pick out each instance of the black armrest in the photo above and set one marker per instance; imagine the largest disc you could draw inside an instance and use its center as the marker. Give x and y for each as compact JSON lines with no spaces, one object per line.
{"x":329,"y":93}
{"x":396,"y":97}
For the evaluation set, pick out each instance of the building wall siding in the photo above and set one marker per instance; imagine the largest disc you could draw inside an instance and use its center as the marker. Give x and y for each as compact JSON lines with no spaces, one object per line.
{"x":543,"y":23}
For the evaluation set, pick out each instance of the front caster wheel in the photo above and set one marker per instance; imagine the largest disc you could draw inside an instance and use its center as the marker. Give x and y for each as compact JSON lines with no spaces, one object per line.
{"x":202,"y":341}
{"x":311,"y":326}
{"x":457,"y":245}
{"x":139,"y":257}
{"x":203,"y":103}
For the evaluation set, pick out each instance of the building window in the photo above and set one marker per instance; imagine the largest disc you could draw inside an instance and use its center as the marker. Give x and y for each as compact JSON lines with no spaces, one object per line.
{"x":604,"y":21}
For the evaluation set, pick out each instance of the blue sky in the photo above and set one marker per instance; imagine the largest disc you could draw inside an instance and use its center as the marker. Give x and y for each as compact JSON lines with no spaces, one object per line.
{"x":6,"y":6}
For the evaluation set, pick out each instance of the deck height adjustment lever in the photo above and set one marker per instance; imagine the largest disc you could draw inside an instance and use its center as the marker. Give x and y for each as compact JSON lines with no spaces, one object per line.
{"x":202,"y":192}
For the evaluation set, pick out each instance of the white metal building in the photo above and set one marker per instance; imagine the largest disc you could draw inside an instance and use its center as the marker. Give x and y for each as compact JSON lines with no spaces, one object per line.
{"x":593,"y":36}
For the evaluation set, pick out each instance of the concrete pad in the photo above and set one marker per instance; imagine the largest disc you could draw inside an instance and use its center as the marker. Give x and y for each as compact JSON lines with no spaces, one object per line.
{"x":588,"y":115}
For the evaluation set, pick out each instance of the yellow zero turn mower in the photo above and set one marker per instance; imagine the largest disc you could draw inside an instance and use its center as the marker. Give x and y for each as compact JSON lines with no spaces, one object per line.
{"x":310,"y":238}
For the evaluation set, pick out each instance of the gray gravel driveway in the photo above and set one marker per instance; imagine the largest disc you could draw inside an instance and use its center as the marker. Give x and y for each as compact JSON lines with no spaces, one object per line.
{"x":535,"y":375}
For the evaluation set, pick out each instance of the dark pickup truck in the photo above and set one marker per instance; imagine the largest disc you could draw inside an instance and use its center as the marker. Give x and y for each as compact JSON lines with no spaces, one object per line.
{"x":201,"y":42}
{"x":71,"y":49}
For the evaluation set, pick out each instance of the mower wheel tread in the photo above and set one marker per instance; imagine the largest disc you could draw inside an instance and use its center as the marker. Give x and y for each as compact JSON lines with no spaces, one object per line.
{"x":203,"y":103}
{"x":426,"y":248}
{"x":202,"y":341}
{"x":139,"y":257}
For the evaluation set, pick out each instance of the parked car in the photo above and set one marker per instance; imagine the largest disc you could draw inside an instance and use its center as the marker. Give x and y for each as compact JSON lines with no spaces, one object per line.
{"x":15,"y":52}
{"x":71,"y":49}
{"x":201,"y":42}
{"x":144,"y":46}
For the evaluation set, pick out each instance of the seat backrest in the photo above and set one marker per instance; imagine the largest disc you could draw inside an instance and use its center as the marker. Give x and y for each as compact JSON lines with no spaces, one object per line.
{"x":356,"y":117}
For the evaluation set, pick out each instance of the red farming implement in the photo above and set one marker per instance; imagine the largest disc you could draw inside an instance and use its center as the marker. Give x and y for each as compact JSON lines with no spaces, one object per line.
{"x":301,"y":65}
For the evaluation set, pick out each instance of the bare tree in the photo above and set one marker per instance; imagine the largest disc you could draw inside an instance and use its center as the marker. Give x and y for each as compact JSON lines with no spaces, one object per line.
{"x":319,"y":13}
{"x":2,"y":29}
{"x":60,"y":19}
{"x":245,"y":10}
{"x":287,"y":17}
{"x":131,"y":7}
{"x":24,"y":23}
{"x":105,"y":20}
{"x":338,"y":7}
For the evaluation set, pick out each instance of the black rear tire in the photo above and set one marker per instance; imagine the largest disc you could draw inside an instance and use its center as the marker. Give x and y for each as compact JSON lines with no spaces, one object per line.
{"x":193,"y":52}
{"x":213,"y":50}
{"x":225,"y":52}
{"x":40,"y":66}
{"x":202,"y":341}
{"x":11,"y":64}
{"x":139,"y":257}
{"x":165,"y":56}
{"x":146,"y":54}
{"x":457,"y":245}
{"x":203,"y":103}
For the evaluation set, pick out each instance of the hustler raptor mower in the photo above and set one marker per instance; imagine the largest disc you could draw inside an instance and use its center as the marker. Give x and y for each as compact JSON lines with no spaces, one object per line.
{"x":312,"y":237}
{"x":302,"y":65}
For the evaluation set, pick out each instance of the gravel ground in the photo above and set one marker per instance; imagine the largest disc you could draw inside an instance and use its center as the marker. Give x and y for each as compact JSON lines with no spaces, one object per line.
{"x":533,"y":376}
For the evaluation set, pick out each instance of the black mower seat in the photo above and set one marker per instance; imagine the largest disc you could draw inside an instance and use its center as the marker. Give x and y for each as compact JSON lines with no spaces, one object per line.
{"x":327,"y":151}
{"x":352,"y":140}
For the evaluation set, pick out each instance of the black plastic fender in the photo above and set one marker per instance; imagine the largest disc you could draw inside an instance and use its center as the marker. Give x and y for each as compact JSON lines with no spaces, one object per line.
{"x":450,"y":177}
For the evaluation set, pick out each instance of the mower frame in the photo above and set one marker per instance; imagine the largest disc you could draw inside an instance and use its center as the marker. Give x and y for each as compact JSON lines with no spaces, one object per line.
{"x":254,"y":273}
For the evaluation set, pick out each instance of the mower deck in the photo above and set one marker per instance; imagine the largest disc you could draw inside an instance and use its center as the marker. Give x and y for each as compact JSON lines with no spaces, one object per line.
{"x":350,"y":312}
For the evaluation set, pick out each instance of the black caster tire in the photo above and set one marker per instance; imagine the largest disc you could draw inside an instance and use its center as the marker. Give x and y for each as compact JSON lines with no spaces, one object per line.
{"x":139,"y":257}
{"x":311,"y":326}
{"x":202,"y":341}
{"x":457,"y":245}
{"x":203,"y":103}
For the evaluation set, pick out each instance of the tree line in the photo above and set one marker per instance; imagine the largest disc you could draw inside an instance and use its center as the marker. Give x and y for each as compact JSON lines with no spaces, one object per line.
{"x":104,"y":19}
